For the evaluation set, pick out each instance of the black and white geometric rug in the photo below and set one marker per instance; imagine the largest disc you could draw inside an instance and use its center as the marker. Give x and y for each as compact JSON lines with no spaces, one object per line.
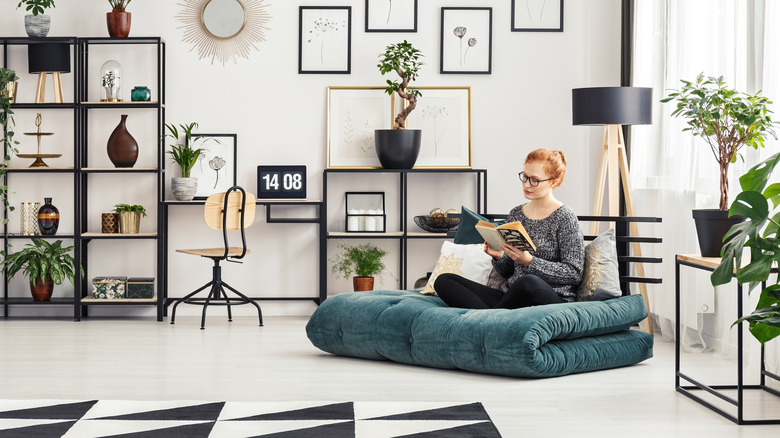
{"x":172,"y":419}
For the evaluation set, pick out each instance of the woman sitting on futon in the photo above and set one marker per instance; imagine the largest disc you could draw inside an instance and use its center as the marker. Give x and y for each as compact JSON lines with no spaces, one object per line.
{"x":545,"y":276}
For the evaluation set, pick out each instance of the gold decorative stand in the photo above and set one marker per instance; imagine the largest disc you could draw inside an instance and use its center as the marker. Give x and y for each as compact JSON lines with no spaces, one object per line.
{"x":39,"y":156}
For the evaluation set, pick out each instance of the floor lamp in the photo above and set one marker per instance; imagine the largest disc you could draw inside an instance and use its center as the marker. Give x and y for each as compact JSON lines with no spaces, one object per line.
{"x":613,"y":107}
{"x":43,"y":58}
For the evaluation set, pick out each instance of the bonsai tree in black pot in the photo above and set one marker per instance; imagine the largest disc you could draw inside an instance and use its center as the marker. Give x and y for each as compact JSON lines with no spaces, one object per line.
{"x":759,"y":201}
{"x":398,"y":148}
{"x":727,"y":120}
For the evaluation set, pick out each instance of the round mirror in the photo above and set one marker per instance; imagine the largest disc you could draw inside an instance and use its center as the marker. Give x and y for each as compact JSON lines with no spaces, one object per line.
{"x":223,"y":18}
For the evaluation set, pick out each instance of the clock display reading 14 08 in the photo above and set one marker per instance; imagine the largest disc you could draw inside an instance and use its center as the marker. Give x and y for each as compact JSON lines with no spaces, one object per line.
{"x":281,"y":182}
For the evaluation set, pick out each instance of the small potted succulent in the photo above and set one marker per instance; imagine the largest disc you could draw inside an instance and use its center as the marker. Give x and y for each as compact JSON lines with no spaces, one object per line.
{"x":36,"y":23}
{"x":129,"y":217}
{"x":183,"y":154}
{"x":759,"y":201}
{"x":727,"y":120}
{"x":399,"y":147}
{"x":118,"y":20}
{"x":45,"y":264}
{"x":361,"y":262}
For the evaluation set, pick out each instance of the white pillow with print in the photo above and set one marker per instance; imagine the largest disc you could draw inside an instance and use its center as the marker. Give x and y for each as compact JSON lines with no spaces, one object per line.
{"x":469,"y":261}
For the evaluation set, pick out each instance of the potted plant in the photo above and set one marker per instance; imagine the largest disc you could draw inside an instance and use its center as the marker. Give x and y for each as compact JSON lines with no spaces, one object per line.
{"x":183,"y":154}
{"x":8,"y":80}
{"x":118,"y":20}
{"x":129,"y":217}
{"x":759,"y":201}
{"x":45,"y":264}
{"x":361,"y":262}
{"x":727,"y":120}
{"x":398,"y":148}
{"x":37,"y":24}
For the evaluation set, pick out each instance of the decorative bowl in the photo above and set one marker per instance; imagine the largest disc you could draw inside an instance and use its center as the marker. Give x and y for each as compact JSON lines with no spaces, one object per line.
{"x":436,"y":224}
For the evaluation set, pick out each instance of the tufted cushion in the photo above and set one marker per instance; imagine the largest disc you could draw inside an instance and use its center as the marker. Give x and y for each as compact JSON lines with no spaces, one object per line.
{"x":541,"y":341}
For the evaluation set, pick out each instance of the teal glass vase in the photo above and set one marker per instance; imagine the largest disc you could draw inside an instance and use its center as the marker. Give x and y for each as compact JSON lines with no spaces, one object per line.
{"x":140,"y":94}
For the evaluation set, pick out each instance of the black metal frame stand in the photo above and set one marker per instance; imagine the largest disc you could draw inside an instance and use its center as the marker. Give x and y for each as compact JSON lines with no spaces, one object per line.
{"x":740,"y":387}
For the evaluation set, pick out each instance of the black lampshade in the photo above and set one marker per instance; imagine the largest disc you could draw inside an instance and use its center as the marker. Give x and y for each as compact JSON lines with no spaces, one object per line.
{"x":48,"y":57}
{"x":611,"y":106}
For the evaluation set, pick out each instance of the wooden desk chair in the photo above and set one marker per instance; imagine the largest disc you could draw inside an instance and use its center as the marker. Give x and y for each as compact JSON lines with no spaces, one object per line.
{"x":228,"y":211}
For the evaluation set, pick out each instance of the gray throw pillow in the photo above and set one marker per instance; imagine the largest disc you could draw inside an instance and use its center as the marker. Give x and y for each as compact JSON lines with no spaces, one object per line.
{"x":601,"y":279}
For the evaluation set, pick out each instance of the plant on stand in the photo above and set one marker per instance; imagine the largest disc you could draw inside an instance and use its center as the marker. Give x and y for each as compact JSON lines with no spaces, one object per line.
{"x":361,"y":262}
{"x":118,"y":20}
{"x":37,"y":24}
{"x":399,"y":147}
{"x":129,"y":217}
{"x":183,"y":154}
{"x":759,"y":201}
{"x":45,"y":264}
{"x":8,"y":80}
{"x":727,"y":120}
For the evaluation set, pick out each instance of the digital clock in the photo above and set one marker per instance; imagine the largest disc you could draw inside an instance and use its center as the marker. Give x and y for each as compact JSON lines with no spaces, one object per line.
{"x":281,"y":182}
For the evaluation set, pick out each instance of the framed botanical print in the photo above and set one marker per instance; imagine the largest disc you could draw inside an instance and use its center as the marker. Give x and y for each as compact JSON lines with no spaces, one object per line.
{"x":466,"y":40}
{"x":444,"y":116}
{"x":537,"y":15}
{"x":391,"y":15}
{"x":216,"y":165}
{"x":325,"y":39}
{"x":353,"y":115}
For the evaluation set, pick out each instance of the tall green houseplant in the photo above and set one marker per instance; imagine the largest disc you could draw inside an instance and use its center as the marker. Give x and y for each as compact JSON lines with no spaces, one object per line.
{"x":725,"y":118}
{"x":759,"y":201}
{"x":7,"y":77}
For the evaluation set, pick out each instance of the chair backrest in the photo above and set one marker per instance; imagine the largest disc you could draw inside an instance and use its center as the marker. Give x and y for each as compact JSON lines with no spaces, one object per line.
{"x":228,"y":211}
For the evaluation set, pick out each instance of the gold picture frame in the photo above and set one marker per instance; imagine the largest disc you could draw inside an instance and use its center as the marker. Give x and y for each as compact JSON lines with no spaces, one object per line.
{"x":353,"y":115}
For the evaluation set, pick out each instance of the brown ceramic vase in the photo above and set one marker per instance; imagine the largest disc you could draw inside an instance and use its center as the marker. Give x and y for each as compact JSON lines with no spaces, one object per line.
{"x":122,"y":147}
{"x":118,"y":24}
{"x":42,"y":290}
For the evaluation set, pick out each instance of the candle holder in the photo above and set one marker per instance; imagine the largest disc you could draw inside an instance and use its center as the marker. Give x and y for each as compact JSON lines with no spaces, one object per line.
{"x":365,"y":212}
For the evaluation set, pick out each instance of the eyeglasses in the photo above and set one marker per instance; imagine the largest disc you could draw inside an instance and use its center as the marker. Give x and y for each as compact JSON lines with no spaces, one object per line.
{"x":534,"y":182}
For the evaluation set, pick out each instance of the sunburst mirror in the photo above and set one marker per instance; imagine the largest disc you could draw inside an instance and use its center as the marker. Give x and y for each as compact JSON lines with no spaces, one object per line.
{"x":224,"y":30}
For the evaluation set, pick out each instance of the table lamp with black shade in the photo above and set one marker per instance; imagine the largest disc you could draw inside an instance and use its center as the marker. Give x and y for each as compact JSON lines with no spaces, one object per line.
{"x":613,"y":107}
{"x":43,"y":58}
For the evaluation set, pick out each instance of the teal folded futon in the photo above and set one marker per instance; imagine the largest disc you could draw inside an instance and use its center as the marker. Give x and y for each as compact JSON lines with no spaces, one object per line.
{"x":541,"y":341}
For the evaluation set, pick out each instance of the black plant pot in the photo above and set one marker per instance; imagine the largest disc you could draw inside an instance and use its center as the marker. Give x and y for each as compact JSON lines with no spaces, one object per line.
{"x":711,"y":226}
{"x":397,"y":148}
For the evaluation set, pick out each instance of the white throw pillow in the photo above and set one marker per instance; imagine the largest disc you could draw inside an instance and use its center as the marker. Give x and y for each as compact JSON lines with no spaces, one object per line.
{"x":469,"y":261}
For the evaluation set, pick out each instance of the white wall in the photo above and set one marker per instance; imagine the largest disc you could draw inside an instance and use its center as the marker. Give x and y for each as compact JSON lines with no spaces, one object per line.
{"x":279,"y":117}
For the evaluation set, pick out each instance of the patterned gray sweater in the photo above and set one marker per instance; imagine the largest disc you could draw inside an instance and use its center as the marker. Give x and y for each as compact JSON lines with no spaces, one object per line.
{"x":559,"y":255}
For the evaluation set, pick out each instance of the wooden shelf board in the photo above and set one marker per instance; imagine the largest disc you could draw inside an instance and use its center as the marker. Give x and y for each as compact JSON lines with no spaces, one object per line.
{"x":120,"y":301}
{"x":119,"y":169}
{"x":118,"y":235}
{"x":345,"y":234}
{"x":125,"y":102}
{"x":425,"y":234}
{"x":39,"y":169}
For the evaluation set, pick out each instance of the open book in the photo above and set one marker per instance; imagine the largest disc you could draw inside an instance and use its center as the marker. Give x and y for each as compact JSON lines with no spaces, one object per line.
{"x":512,"y":233}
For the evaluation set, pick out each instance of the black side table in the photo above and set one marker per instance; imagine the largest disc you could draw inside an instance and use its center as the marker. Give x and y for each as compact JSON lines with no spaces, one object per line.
{"x":693,"y":386}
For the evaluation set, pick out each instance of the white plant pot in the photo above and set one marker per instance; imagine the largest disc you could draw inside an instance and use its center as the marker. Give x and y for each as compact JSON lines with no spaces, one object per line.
{"x":37,"y":26}
{"x":184,"y":188}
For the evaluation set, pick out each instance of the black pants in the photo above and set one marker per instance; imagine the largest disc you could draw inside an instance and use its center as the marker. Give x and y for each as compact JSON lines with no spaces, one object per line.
{"x":529,"y":290}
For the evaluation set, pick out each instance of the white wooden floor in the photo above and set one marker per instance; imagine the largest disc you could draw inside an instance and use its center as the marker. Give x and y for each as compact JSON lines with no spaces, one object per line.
{"x":147,"y":360}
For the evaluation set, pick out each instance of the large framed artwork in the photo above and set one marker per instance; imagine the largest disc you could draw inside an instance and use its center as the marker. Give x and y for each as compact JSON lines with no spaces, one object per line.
{"x":353,"y":115}
{"x":444,"y":115}
{"x":391,"y":15}
{"x":216,"y":166}
{"x":325,"y":39}
{"x":466,"y":40}
{"x":537,"y":15}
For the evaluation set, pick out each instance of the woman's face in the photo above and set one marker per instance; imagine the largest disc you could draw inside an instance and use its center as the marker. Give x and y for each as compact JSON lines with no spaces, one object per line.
{"x":535,"y":170}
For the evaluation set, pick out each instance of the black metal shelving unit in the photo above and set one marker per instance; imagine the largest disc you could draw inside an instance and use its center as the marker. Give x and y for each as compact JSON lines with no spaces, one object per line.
{"x":6,"y":300}
{"x":403,"y":235}
{"x":81,"y":171}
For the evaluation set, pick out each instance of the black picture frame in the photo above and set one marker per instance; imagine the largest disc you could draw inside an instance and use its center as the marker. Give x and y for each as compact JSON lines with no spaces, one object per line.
{"x":308,"y":25}
{"x":452,"y":40}
{"x":372,"y":17}
{"x":552,"y":22}
{"x":222,"y":146}
{"x":272,"y":182}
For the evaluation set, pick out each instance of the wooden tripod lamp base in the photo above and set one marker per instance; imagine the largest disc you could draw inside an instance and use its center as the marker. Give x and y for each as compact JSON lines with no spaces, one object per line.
{"x":40,"y":91}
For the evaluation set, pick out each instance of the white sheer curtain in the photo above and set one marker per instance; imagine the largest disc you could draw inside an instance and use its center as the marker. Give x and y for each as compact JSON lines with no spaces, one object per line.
{"x":673,"y":172}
